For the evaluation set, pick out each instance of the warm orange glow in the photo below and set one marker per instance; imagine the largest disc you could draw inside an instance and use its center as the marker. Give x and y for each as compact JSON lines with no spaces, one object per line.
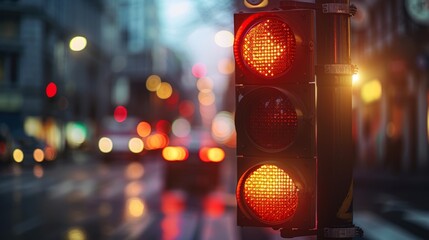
{"x":38,"y":155}
{"x":214,"y":154}
{"x":18,"y":155}
{"x":226,"y":66}
{"x":135,"y":207}
{"x":156,"y":141}
{"x":143,"y":129}
{"x":268,"y":48}
{"x":153,"y":83}
{"x":205,"y":84}
{"x":134,"y":170}
{"x":173,"y":153}
{"x":164,"y":91}
{"x":268,"y":193}
{"x":50,"y":153}
{"x":206,"y":98}
{"x":76,"y":234}
{"x":133,"y":189}
{"x":38,"y":171}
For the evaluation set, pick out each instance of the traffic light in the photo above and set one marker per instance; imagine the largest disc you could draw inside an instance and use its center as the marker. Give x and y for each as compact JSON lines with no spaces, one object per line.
{"x":275,"y":119}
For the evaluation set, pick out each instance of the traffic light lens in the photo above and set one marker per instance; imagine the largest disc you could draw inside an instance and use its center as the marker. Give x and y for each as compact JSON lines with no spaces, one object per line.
{"x":269,"y":194}
{"x":272,"y":120}
{"x":268,"y":48}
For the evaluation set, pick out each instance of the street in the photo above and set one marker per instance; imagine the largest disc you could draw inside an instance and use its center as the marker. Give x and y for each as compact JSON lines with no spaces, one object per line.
{"x":91,"y":199}
{"x":96,"y":200}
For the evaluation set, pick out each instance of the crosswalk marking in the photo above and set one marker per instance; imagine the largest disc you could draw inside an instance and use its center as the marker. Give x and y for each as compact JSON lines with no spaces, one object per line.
{"x":376,"y":228}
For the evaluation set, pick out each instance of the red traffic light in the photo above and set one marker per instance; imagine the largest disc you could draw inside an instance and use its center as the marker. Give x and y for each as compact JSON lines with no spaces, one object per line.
{"x":265,"y":46}
{"x":267,"y":193}
{"x":274,"y":86}
{"x":51,"y":90}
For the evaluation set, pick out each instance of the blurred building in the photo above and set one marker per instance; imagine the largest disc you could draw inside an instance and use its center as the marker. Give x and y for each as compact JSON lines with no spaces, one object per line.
{"x":390,"y":45}
{"x":34,"y":51}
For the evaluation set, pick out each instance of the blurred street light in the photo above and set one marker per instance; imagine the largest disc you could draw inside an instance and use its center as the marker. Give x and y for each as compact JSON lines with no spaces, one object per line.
{"x":77,"y":43}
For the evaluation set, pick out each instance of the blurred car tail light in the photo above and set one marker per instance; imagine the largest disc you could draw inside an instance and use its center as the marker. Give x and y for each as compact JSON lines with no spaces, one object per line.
{"x":173,"y":153}
{"x":208,"y":154}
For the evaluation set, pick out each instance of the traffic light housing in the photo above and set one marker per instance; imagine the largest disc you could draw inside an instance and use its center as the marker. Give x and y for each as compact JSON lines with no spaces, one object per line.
{"x":275,"y":119}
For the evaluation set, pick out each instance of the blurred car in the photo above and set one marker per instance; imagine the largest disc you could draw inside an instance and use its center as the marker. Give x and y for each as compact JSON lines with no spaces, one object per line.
{"x":28,"y":150}
{"x":193,"y":163}
{"x":119,"y":141}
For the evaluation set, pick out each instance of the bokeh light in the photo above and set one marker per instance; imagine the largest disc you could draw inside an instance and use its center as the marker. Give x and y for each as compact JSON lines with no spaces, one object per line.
{"x":206,"y":98}
{"x":105,"y":145}
{"x":371,"y":91}
{"x":164,"y":91}
{"x":120,"y":113}
{"x":76,"y":134}
{"x":223,"y":127}
{"x":51,"y":90}
{"x":134,"y":171}
{"x":153,"y":83}
{"x":199,"y":70}
{"x":38,"y":155}
{"x":143,"y":129}
{"x":186,"y":108}
{"x":18,"y":155}
{"x":135,"y":207}
{"x":136,"y":145}
{"x":181,"y":127}
{"x":224,"y":39}
{"x":205,"y":84}
{"x":77,"y":43}
{"x":226,"y":66}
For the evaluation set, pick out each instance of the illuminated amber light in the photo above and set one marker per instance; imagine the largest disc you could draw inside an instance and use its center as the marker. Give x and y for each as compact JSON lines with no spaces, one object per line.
{"x":153,"y":83}
{"x":268,"y":48}
{"x":164,"y":91}
{"x":18,"y":155}
{"x":38,"y":155}
{"x":173,"y":153}
{"x":143,"y":129}
{"x":136,"y":207}
{"x":269,"y":194}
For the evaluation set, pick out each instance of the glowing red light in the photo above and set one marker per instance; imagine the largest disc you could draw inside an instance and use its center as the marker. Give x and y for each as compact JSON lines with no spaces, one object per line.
{"x":199,"y":70}
{"x":163,"y":126}
{"x":267,"y":48}
{"x":186,"y":108}
{"x":51,"y":90}
{"x":268,"y":193}
{"x":120,"y":113}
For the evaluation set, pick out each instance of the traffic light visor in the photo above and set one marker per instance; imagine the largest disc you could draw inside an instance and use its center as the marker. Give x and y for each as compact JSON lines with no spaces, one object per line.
{"x":268,"y":193}
{"x":265,"y":46}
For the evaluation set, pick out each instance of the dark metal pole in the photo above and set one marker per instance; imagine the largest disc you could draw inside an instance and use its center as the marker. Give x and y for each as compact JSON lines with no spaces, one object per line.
{"x":334,"y":121}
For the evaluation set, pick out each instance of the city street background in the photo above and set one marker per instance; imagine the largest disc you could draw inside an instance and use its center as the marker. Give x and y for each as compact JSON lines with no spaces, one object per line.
{"x":117,"y":120}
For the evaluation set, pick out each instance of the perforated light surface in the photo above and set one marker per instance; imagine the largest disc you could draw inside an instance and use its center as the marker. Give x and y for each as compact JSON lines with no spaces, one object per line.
{"x":272,"y":121}
{"x":269,"y":194}
{"x":268,"y":48}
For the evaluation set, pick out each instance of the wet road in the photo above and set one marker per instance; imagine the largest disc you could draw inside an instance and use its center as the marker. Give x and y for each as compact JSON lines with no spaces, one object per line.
{"x":94,"y":200}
